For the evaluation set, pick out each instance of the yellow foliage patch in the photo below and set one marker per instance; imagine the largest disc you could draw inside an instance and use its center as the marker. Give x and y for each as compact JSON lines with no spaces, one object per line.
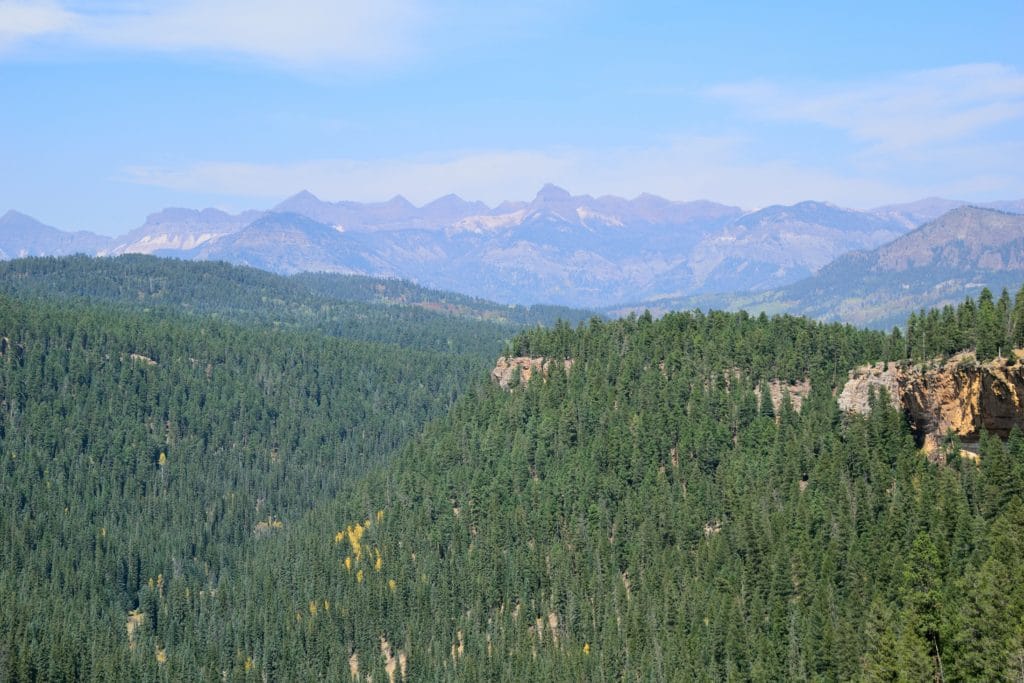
{"x":135,"y":619}
{"x":355,"y":534}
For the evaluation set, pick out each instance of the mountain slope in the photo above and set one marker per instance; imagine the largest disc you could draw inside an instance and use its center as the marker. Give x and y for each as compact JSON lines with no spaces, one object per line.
{"x":784,"y":243}
{"x":351,"y":307}
{"x":174,"y":231}
{"x":287,"y":243}
{"x":914,"y":214}
{"x":939,"y":263}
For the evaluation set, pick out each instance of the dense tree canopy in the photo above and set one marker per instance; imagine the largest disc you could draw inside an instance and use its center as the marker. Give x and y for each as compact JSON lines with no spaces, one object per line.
{"x":989,"y":327}
{"x":185,"y":498}
{"x":347,"y":306}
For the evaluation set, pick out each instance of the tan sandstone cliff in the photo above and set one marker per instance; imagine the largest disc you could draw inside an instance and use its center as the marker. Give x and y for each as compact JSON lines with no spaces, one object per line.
{"x":960,"y":395}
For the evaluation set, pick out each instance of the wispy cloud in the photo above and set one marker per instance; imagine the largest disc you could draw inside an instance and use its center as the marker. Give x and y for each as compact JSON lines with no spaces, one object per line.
{"x":296,"y":33}
{"x":21,"y":20}
{"x":684,"y":169}
{"x":954,"y":131}
{"x":900,"y":112}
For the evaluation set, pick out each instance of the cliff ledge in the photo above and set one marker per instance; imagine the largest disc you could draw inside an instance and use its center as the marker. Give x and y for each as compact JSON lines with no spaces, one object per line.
{"x":959,"y":395}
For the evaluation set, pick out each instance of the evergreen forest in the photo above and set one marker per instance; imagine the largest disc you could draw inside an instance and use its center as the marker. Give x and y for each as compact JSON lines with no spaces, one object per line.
{"x":207,"y":475}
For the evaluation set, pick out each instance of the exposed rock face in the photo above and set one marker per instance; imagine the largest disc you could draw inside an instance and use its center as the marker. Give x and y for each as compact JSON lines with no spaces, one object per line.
{"x":505,"y":369}
{"x":961,"y":396}
{"x":797,"y":391}
{"x":855,"y":394}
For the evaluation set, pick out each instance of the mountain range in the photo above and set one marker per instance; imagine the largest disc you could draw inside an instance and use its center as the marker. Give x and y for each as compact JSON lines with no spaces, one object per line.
{"x":939,"y":263}
{"x":558,"y":248}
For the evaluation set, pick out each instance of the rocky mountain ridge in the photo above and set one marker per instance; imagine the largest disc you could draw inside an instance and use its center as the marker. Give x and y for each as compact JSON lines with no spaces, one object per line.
{"x":558,"y":248}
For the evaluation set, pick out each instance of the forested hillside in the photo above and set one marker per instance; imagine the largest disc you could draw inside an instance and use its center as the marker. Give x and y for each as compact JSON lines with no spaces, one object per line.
{"x":348,"y":306}
{"x":188,"y":499}
{"x":652,"y":515}
{"x":147,"y":455}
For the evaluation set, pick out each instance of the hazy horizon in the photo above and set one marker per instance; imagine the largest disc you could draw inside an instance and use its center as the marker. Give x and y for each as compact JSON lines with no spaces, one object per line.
{"x":118,"y":109}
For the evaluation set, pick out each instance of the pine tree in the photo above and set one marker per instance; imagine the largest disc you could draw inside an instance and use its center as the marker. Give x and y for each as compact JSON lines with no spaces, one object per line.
{"x":989,"y":328}
{"x":922,"y":605}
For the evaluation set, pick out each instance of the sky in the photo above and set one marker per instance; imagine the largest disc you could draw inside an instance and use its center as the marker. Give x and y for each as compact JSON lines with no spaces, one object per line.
{"x":113,"y":109}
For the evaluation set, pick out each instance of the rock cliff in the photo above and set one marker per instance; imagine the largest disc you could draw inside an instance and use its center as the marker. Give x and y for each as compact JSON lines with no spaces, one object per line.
{"x":505,"y":369}
{"x":798,"y":392}
{"x":960,"y":395}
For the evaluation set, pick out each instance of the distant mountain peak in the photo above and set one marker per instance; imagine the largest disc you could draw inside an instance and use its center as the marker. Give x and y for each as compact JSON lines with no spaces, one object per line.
{"x":304,"y":195}
{"x":450,"y":199}
{"x":300,"y":200}
{"x":399,"y":200}
{"x":13,"y":215}
{"x":552,"y":193}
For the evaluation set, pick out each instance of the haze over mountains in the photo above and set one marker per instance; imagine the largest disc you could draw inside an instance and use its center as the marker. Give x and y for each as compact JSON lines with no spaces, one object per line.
{"x":558,"y":248}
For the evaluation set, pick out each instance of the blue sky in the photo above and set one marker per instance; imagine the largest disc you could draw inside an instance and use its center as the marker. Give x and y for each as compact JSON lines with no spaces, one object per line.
{"x":112,"y":109}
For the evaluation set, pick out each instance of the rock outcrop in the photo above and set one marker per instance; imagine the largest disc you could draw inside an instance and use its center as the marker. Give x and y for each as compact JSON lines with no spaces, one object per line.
{"x":798,"y":391}
{"x":960,"y":396}
{"x":857,"y":390}
{"x":507,"y":367}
